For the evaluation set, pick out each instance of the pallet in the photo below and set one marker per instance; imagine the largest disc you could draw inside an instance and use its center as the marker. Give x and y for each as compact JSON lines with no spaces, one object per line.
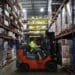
{"x":7,"y":63}
{"x":69,"y":70}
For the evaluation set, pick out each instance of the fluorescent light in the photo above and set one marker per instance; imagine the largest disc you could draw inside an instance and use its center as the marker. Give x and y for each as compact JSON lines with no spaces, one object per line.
{"x":42,"y":10}
{"x":32,"y":17}
{"x":24,"y":10}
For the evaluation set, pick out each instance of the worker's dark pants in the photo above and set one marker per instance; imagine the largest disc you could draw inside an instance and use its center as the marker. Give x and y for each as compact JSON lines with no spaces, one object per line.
{"x":36,"y":51}
{"x":40,"y":53}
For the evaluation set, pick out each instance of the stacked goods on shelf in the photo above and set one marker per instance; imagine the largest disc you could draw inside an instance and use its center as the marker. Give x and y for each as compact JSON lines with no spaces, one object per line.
{"x":11,"y":34}
{"x":58,"y":24}
{"x":1,"y":19}
{"x":13,"y":52}
{"x":6,"y":15}
{"x":10,"y":26}
{"x":1,"y":40}
{"x":67,"y":22}
{"x":69,"y":14}
{"x":73,"y":39}
{"x":2,"y":31}
{"x":6,"y":53}
{"x":74,"y":12}
{"x":5,"y":49}
{"x":9,"y":55}
{"x":1,"y":52}
{"x":73,"y":52}
{"x":66,"y":55}
{"x":64,"y":19}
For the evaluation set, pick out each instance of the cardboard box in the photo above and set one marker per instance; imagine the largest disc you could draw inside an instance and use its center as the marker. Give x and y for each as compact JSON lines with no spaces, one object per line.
{"x":64,"y":23}
{"x":66,"y":54}
{"x":59,"y":23}
{"x":69,"y":14}
{"x":13,"y":52}
{"x":0,"y":11}
{"x":6,"y":13}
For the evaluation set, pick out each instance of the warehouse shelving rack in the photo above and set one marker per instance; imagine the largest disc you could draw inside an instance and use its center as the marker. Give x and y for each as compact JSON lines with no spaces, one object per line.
{"x":12,"y":26}
{"x":67,"y":33}
{"x":58,"y":11}
{"x":8,"y":18}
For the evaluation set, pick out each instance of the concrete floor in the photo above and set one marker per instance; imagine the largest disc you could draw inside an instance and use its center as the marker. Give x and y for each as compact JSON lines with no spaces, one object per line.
{"x":11,"y":70}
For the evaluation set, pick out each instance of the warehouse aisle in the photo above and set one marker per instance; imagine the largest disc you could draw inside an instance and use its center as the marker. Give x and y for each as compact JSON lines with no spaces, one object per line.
{"x":11,"y":70}
{"x":38,"y":34}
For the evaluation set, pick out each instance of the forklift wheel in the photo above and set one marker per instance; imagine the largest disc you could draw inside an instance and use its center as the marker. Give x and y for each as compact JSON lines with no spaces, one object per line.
{"x":51,"y":66}
{"x":24,"y":67}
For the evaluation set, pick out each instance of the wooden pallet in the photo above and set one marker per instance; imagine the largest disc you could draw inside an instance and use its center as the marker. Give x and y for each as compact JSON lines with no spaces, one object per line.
{"x":69,"y":70}
{"x":7,"y":63}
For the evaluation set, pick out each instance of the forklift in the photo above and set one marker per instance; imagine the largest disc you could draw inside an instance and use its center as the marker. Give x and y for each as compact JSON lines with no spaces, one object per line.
{"x":43,"y":58}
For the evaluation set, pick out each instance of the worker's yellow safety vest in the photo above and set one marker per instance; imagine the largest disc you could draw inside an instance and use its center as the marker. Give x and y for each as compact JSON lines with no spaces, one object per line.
{"x":33,"y":44}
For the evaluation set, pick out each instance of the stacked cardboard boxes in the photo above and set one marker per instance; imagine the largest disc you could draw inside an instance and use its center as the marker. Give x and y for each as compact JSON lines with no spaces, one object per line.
{"x":69,"y":14}
{"x":1,"y":52}
{"x":66,"y":55}
{"x":64,"y":19}
{"x":65,"y":23}
{"x":65,"y":16}
{"x":73,"y":52}
{"x":10,"y":13}
{"x":13,"y":52}
{"x":58,"y":24}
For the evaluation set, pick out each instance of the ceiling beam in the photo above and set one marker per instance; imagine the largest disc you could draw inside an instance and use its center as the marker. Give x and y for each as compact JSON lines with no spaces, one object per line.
{"x":56,"y":3}
{"x":36,"y":6}
{"x":38,"y":2}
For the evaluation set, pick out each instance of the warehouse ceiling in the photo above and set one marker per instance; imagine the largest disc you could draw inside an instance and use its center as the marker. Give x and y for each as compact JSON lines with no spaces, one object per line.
{"x":35,"y":7}
{"x":40,"y":8}
{"x":55,"y":6}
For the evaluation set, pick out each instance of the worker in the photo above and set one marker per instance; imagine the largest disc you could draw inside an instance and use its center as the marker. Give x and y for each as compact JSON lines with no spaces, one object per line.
{"x":33,"y":46}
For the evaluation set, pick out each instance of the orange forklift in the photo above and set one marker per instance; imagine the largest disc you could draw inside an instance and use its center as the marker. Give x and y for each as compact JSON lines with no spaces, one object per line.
{"x":44,"y":57}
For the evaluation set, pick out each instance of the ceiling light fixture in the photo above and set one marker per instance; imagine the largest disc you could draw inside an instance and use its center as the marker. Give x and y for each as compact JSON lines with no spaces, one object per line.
{"x":42,"y":10}
{"x":24,"y":10}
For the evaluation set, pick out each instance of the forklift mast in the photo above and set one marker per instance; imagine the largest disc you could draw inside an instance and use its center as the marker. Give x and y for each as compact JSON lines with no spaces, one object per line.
{"x":50,"y":36}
